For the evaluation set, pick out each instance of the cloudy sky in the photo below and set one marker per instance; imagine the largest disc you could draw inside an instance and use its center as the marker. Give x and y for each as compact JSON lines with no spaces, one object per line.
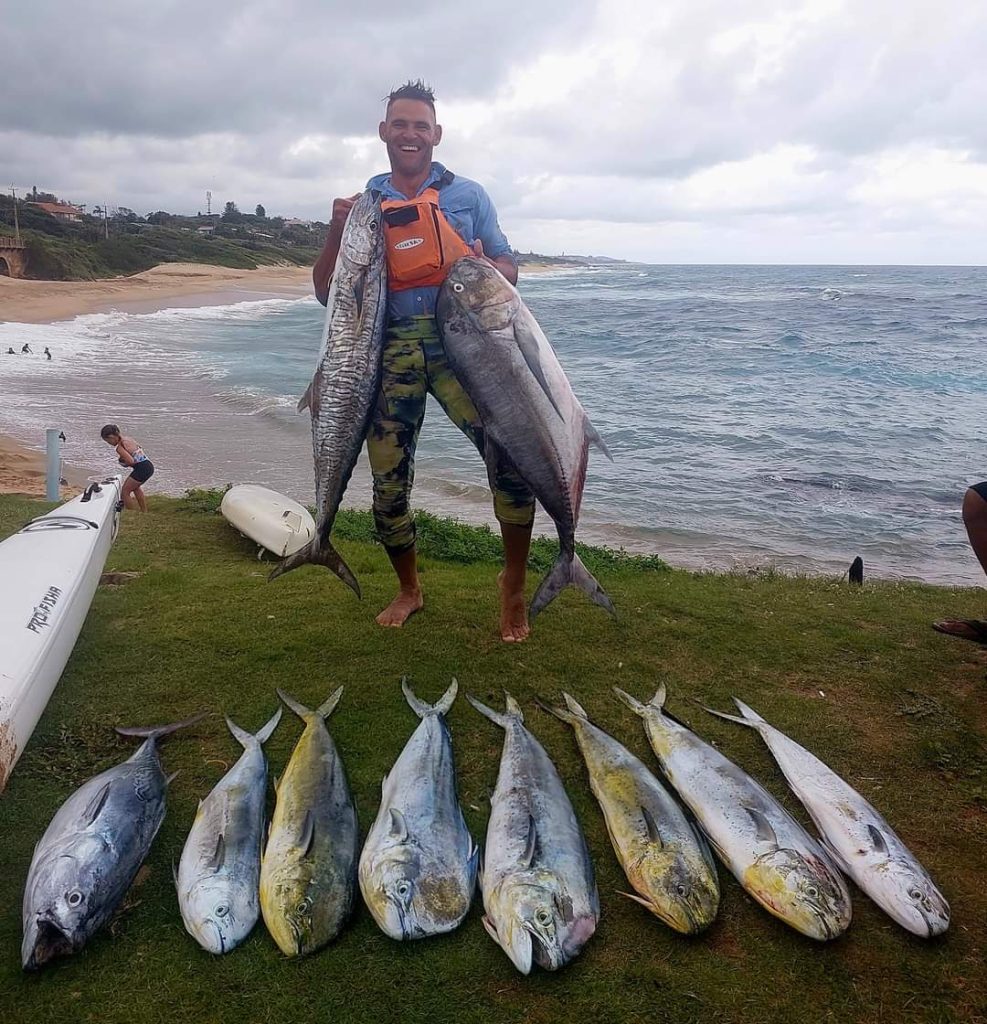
{"x":711,"y":131}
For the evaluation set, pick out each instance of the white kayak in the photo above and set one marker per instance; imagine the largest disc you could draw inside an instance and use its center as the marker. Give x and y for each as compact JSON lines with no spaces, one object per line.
{"x":271,"y":520}
{"x":49,"y":571}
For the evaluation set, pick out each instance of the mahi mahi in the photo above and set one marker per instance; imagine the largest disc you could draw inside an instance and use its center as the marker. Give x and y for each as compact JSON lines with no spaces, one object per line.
{"x":308,"y":871}
{"x":84,"y":863}
{"x":219,"y":870}
{"x":531,"y":417}
{"x":347,"y":377}
{"x":539,"y":892}
{"x":418,"y":866}
{"x":665,"y":859}
{"x":767,"y":850}
{"x":861,"y":841}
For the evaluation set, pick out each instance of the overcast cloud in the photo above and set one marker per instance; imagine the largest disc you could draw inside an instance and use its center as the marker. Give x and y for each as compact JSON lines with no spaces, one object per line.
{"x":690,"y":131}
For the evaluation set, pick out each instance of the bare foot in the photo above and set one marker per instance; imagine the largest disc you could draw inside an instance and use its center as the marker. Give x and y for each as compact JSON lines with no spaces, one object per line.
{"x":401,"y":608}
{"x":513,"y":613}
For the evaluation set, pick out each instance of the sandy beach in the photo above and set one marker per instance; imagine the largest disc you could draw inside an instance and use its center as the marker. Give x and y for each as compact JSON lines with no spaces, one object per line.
{"x":22,"y":471}
{"x":34,"y":302}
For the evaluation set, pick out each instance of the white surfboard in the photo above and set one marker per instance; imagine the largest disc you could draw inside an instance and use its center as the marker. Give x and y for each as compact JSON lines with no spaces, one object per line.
{"x":271,"y":520}
{"x":49,"y":571}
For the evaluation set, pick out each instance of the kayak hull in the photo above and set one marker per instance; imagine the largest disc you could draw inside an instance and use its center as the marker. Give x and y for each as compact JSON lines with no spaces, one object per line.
{"x":269,"y":519}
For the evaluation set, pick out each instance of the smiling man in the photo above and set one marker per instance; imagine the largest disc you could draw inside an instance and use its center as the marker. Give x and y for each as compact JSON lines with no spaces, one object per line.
{"x":432,"y":217}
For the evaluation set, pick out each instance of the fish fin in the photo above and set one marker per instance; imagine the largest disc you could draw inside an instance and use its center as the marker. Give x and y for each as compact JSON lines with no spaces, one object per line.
{"x":326,"y":708}
{"x":358,"y":290}
{"x":531,"y":844}
{"x":490,"y":929}
{"x":593,"y":436}
{"x":647,"y":904}
{"x":572,"y":713}
{"x":749,"y":713}
{"x":568,"y":571}
{"x":656,"y":703}
{"x":765,"y":833}
{"x":499,"y":717}
{"x":513,"y":708}
{"x":171,"y":778}
{"x":563,"y":904}
{"x":383,"y":783}
{"x":219,"y":854}
{"x":421,"y":708}
{"x":277,"y":782}
{"x":527,"y":343}
{"x":157,"y":731}
{"x":318,"y":552}
{"x":653,"y":833}
{"x":632,"y":702}
{"x":838,"y":859}
{"x":264,"y":734}
{"x":473,"y":864}
{"x":174,"y":871}
{"x":399,"y":827}
{"x":244,"y":738}
{"x":730,"y":718}
{"x":877,"y":838}
{"x":95,"y":805}
{"x":574,"y":706}
{"x":307,"y":836}
{"x":305,"y":402}
{"x":299,"y":709}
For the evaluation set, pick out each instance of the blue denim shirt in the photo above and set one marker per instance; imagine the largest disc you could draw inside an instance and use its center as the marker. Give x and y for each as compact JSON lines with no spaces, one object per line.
{"x":469,"y":210}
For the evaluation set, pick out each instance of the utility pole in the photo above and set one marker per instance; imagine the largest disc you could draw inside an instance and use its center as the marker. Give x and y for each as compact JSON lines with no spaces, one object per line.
{"x":17,"y":227}
{"x":106,"y":223}
{"x":208,"y":203}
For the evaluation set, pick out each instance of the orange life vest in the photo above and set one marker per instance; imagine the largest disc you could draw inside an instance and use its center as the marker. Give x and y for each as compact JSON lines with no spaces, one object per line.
{"x":421,"y":244}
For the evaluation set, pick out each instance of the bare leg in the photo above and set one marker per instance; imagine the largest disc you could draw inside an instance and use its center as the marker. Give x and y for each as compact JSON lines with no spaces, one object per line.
{"x":975,"y":521}
{"x":409,"y":599}
{"x":141,"y":500}
{"x":513,"y":610}
{"x":127,"y":495}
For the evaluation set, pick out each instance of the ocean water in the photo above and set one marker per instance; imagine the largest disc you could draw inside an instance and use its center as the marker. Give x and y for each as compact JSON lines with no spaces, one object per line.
{"x":792,"y":417}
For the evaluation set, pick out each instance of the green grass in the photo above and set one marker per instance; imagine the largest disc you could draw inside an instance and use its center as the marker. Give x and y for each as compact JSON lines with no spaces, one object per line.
{"x":853,"y":673}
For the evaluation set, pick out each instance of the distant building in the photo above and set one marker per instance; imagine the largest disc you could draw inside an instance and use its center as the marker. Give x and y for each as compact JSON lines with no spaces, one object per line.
{"x":207,"y":229}
{"x":294,"y":222}
{"x":62,"y":211}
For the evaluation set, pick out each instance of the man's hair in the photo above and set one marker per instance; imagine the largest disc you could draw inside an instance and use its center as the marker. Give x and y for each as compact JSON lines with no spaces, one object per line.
{"x":110,"y":430}
{"x":416,"y":90}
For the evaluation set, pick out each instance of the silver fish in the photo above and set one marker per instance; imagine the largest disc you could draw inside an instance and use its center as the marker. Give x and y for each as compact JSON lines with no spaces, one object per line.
{"x":418,"y":866}
{"x":529,"y":413}
{"x":537,"y":881}
{"x":863,"y":844}
{"x":308,"y":871}
{"x":665,"y":859}
{"x":767,"y":850}
{"x":94,"y":846}
{"x":347,"y":378}
{"x":219,"y":871}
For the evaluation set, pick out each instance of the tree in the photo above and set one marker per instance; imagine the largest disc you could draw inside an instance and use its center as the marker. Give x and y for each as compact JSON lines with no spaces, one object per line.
{"x":260,"y":212}
{"x":230,"y":211}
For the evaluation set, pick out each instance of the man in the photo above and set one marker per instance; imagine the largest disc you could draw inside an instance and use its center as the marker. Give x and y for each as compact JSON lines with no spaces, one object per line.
{"x":975,"y":520}
{"x":424,"y":206}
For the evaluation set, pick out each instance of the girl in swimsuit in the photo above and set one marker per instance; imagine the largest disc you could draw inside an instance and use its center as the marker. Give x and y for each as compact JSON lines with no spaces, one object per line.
{"x":130,"y":454}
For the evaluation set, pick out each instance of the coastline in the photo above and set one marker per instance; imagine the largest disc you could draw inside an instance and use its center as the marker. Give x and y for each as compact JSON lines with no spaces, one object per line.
{"x":23,"y":471}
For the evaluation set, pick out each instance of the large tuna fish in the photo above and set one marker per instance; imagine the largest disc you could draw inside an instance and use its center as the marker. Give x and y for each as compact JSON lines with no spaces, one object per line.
{"x":767,"y":850}
{"x":347,"y":377}
{"x":418,"y":866}
{"x":862,"y":842}
{"x":666,"y":861}
{"x":537,"y":881}
{"x":219,"y":870}
{"x":526,"y":405}
{"x":84,"y":863}
{"x":308,"y":871}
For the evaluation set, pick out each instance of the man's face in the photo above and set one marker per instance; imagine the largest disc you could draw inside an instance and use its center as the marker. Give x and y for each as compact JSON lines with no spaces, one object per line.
{"x":410,"y":134}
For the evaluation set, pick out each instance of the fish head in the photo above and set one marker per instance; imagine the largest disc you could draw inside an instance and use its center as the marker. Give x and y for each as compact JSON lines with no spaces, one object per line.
{"x":907,"y":894}
{"x":63,"y":896}
{"x":363,"y":231}
{"x":682,"y":891}
{"x":392,"y":892}
{"x":803,"y":890}
{"x":216,"y":915}
{"x":295,"y":916}
{"x":480,"y":290}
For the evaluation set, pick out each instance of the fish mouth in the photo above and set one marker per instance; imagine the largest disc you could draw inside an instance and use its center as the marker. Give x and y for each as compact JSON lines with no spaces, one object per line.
{"x":44,"y":943}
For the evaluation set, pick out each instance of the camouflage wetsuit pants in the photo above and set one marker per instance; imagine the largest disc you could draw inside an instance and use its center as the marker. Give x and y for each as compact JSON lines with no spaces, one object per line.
{"x":414,"y":364}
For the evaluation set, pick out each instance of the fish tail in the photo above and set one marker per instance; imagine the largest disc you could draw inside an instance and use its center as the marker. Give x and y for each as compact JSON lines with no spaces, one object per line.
{"x":656,"y":703}
{"x":568,"y":571}
{"x":299,"y":708}
{"x":318,"y":552}
{"x":325,"y":709}
{"x":750,"y":715}
{"x":572,"y":713}
{"x":574,"y":706}
{"x":328,"y":706}
{"x":593,"y":436}
{"x":246,"y":740}
{"x":503,"y":719}
{"x":422,"y":708}
{"x":729,"y":718}
{"x":157,"y":731}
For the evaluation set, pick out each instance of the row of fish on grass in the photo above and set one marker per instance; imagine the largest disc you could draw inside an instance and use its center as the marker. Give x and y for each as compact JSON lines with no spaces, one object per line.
{"x":419,"y":864}
{"x":531,"y":418}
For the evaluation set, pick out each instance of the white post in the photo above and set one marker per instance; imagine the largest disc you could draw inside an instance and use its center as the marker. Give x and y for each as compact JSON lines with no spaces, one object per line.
{"x":54,"y":467}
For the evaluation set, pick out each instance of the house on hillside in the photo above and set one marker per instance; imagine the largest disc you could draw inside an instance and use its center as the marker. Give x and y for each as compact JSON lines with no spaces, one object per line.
{"x":61,"y":211}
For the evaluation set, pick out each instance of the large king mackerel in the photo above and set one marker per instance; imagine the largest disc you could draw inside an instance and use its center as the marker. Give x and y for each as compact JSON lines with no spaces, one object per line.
{"x":539,"y":892}
{"x":529,"y":412}
{"x":863,"y":843}
{"x":418,"y":866}
{"x":94,"y":846}
{"x":219,"y":871}
{"x":347,"y":378}
{"x":665,"y":859}
{"x":767,"y":850}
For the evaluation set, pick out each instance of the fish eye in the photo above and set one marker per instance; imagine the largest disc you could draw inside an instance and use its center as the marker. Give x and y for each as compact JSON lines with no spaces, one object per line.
{"x":222,"y":910}
{"x":682,"y":890}
{"x":305,"y":906}
{"x":457,"y":287}
{"x":403,"y":889}
{"x":811,"y":891}
{"x":914,"y":894}
{"x":544,"y":918}
{"x":74,"y":898}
